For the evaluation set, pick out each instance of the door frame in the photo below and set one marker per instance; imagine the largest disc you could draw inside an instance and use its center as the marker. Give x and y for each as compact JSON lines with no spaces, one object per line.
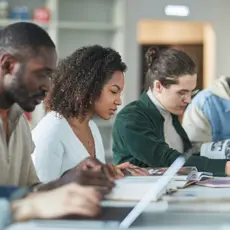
{"x":181,"y":33}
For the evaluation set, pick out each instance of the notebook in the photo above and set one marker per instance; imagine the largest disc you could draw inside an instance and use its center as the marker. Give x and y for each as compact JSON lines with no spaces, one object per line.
{"x":119,"y":217}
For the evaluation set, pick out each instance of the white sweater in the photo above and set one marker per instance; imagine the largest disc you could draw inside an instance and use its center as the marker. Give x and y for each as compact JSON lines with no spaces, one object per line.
{"x":58,"y":148}
{"x":172,"y":138}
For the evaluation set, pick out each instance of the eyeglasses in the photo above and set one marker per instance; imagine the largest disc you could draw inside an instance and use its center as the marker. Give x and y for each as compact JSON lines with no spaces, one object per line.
{"x":186,"y":95}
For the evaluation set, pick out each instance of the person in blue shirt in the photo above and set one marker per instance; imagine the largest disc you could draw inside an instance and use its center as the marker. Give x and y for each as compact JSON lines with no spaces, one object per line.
{"x":206,"y":118}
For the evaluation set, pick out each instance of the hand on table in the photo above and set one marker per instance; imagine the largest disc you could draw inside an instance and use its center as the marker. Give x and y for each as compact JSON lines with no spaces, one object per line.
{"x":88,"y":172}
{"x":67,"y":200}
{"x":93,"y":172}
{"x":87,"y":177}
{"x":132,"y":169}
{"x":120,"y":171}
{"x":110,"y":171}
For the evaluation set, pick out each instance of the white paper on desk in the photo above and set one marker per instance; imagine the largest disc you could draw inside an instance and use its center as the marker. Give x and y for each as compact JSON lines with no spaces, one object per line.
{"x":138,"y":179}
{"x":133,"y":188}
{"x":130,"y":192}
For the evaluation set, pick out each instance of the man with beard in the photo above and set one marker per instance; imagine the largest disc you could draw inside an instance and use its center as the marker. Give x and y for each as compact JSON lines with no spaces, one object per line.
{"x":27,"y":60}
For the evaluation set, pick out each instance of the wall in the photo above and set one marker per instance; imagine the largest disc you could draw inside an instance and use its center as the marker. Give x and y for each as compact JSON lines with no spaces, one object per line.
{"x":86,"y":11}
{"x":215,"y":12}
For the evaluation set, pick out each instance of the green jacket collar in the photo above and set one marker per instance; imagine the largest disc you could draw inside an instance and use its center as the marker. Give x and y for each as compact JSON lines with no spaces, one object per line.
{"x":154,"y":112}
{"x":152,"y":109}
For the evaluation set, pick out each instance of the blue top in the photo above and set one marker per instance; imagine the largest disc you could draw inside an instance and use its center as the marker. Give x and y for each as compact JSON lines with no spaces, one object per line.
{"x":7,"y":191}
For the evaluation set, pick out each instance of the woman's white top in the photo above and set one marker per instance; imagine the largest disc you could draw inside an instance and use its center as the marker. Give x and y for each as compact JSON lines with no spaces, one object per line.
{"x":58,"y":149}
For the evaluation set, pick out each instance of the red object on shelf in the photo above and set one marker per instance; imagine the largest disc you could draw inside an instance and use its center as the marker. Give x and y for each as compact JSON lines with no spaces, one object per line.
{"x":41,"y":14}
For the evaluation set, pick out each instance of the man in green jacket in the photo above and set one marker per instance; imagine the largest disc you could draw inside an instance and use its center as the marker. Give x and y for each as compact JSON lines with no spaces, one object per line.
{"x":147,"y":132}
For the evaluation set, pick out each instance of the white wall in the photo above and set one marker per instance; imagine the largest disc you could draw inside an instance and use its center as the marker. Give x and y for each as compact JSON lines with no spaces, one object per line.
{"x":216,"y":12}
{"x":96,"y":11}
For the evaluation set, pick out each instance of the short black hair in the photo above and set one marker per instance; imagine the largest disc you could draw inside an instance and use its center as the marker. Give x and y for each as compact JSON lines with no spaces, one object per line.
{"x":79,"y":79}
{"x":24,"y":35}
{"x":167,"y":65}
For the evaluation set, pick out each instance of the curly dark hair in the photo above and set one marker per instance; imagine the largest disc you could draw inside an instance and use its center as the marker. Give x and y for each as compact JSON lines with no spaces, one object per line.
{"x":79,"y":79}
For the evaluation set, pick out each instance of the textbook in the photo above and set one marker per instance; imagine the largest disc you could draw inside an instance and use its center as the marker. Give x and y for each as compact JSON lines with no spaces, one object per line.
{"x":189,"y":175}
{"x":216,"y":150}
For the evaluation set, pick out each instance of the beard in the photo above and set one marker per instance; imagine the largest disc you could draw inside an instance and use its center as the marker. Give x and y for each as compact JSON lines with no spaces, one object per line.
{"x":19,"y":93}
{"x":27,"y":100}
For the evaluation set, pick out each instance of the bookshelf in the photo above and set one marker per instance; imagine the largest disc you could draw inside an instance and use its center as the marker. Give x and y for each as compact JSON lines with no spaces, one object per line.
{"x":76,"y":23}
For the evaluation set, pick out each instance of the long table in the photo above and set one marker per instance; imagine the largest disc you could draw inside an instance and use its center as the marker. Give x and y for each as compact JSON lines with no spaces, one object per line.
{"x":194,"y":207}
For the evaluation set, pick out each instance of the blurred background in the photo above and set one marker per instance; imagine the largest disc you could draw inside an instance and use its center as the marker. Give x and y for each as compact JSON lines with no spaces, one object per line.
{"x":199,"y":27}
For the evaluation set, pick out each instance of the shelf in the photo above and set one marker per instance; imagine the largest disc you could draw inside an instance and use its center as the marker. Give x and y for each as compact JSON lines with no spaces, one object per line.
{"x":87,"y":26}
{"x":6,"y":22}
{"x":98,"y":26}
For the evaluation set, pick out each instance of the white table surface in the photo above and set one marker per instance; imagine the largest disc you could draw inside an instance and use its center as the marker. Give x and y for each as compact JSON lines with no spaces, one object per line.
{"x":194,"y":207}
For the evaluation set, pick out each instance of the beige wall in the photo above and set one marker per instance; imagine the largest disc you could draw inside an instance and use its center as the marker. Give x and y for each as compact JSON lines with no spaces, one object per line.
{"x":182,"y":33}
{"x":211,"y":11}
{"x":169,"y":32}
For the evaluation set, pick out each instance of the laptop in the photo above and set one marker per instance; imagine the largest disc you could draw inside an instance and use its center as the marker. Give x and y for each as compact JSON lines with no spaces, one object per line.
{"x":116,"y":217}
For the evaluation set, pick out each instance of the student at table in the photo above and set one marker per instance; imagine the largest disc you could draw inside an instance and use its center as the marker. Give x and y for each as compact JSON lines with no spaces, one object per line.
{"x":206,"y":117}
{"x":147,"y":132}
{"x":27,"y":59}
{"x":19,"y":204}
{"x":87,"y":83}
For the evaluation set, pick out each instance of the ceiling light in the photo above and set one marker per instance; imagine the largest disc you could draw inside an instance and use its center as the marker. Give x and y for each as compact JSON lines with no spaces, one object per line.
{"x":177,"y":10}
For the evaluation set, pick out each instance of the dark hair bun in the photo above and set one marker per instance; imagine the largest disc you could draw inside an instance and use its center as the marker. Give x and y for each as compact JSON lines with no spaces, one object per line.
{"x":151,"y":55}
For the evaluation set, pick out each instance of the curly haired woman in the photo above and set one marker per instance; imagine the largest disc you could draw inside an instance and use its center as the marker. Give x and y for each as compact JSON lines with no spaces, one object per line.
{"x":87,"y":83}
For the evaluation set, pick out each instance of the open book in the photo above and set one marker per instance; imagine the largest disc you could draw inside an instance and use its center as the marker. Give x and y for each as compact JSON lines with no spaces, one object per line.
{"x":216,"y":150}
{"x":188,"y":175}
{"x":215,"y":183}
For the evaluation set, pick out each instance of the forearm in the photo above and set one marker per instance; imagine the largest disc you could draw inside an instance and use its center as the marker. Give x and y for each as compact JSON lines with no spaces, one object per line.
{"x":46,"y":187}
{"x":22,"y":210}
{"x":216,"y":166}
{"x":158,"y":155}
{"x":163,"y":156}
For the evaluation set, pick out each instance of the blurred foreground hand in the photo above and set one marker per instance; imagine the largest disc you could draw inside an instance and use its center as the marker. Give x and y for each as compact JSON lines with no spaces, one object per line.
{"x":71,"y":199}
